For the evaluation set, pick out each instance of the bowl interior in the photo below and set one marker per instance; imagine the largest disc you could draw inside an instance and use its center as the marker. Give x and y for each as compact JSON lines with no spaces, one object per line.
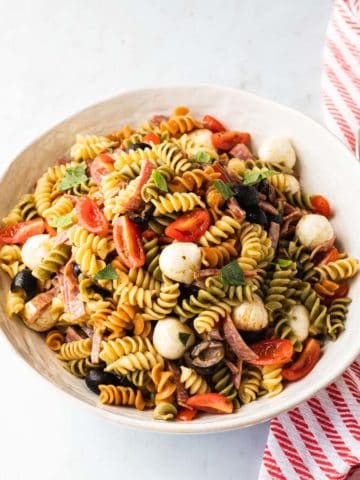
{"x":326,"y":167}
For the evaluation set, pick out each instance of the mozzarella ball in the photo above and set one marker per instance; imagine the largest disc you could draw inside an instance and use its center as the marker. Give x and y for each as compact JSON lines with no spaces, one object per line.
{"x":202,"y":137}
{"x":293,"y":186}
{"x":202,"y":141}
{"x":251,"y":315}
{"x":313,"y":230}
{"x":41,"y":324}
{"x":167,"y":338}
{"x":278,"y":150}
{"x":299,"y":321}
{"x":35,"y":249}
{"x":179,"y":261}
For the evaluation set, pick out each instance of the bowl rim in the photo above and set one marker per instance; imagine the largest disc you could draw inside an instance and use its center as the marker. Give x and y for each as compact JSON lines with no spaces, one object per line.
{"x":225,"y":422}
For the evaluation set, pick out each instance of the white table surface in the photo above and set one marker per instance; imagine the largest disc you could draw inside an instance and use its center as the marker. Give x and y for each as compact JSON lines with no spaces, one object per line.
{"x":58,"y":57}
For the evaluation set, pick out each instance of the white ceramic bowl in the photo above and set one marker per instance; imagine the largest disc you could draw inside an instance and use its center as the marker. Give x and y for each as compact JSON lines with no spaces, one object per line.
{"x":326,"y":167}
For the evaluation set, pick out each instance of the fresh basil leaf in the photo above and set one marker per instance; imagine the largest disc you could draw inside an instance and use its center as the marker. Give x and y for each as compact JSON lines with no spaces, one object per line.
{"x":284,"y":263}
{"x":64,"y":221}
{"x":252,"y":178}
{"x":107,"y":273}
{"x":225,"y":189}
{"x":184,"y":337}
{"x":73,"y":176}
{"x":203,"y":157}
{"x":159,"y":180}
{"x":232,"y":274}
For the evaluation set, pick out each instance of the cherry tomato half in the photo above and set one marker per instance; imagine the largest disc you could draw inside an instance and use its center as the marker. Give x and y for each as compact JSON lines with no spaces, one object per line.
{"x":90,"y":216}
{"x":128,"y":243}
{"x":189,"y":227}
{"x":227,"y":140}
{"x":305,"y":363}
{"x":330,"y":256}
{"x":100,"y":166}
{"x":321,"y":206}
{"x":211,"y":403}
{"x":273,"y":351}
{"x":20,"y":232}
{"x":186,"y":414}
{"x":151,"y":137}
{"x":212,"y":124}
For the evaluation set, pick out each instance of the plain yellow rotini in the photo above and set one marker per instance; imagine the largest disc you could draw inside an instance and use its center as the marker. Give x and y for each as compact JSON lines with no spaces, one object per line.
{"x":60,"y":207}
{"x":45,"y":187}
{"x":15,"y":303}
{"x":25,"y":209}
{"x":220,"y":231}
{"x":339,"y":270}
{"x":87,"y":147}
{"x":10,"y":254}
{"x":99,"y":245}
{"x":114,"y":349}
{"x":165,"y":302}
{"x":135,"y":361}
{"x":75,"y":350}
{"x":134,"y":156}
{"x":207,"y":319}
{"x":272,"y":380}
{"x":88,"y":261}
{"x":12,"y":268}
{"x":172,"y":156}
{"x":251,"y":249}
{"x":176,"y":202}
{"x":137,"y":296}
{"x":193,"y":382}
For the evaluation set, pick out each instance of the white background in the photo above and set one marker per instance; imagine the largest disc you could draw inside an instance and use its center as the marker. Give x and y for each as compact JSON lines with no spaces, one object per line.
{"x":58,"y":57}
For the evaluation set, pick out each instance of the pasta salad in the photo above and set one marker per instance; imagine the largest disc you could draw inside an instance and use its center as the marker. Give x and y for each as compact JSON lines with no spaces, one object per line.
{"x":173,"y":268}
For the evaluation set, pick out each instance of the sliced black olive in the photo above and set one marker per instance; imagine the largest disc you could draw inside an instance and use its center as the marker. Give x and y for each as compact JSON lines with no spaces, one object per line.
{"x":142,"y":220}
{"x":256,"y":215}
{"x":76,"y":269}
{"x":25,"y":281}
{"x":246,"y":196}
{"x":199,"y":370}
{"x":186,"y":291}
{"x":274,"y":218}
{"x":207,"y":354}
{"x":139,"y":222}
{"x":97,"y":377}
{"x":264,"y":187}
{"x":253,"y":336}
{"x":267,"y":189}
{"x":101,"y":291}
{"x":137,"y":146}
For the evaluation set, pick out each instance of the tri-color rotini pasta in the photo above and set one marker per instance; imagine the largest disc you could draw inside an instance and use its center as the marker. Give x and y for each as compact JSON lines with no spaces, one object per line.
{"x":172,"y":267}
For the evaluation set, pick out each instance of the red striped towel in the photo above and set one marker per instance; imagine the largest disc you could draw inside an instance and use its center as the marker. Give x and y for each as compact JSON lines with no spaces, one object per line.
{"x":320,"y":439}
